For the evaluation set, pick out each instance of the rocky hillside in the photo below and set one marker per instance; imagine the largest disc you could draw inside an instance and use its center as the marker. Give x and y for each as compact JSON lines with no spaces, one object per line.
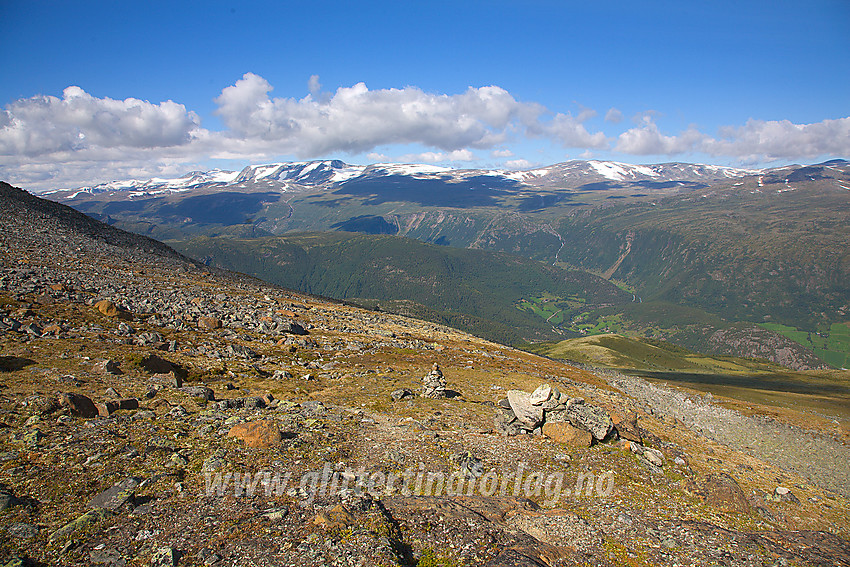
{"x":157,"y":412}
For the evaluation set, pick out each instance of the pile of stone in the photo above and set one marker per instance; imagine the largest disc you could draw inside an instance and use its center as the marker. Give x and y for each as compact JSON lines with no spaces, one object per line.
{"x":434,"y":384}
{"x":551,"y":412}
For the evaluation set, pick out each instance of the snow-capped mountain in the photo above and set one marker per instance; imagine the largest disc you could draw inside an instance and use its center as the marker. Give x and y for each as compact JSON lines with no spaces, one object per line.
{"x":577,"y":172}
{"x":328,"y":174}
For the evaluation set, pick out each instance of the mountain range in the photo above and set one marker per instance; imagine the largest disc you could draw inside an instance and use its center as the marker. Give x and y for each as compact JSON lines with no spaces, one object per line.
{"x":722,"y":260}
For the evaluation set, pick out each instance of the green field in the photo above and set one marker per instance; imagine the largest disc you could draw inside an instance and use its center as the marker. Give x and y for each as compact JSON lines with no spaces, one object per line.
{"x":832,"y":345}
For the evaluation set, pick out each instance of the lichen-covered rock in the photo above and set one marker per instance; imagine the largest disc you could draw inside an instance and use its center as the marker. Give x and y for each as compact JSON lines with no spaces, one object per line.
{"x":116,"y":496}
{"x":257,"y":434}
{"x":591,"y":417}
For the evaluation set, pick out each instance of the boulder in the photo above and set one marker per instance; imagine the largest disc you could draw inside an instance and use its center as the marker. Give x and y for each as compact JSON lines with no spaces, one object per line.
{"x":107,"y":308}
{"x":564,"y":433}
{"x":401,"y":394}
{"x":153,"y":364}
{"x":105,"y":409}
{"x":79,"y":404}
{"x":540,"y":395}
{"x":257,"y":434}
{"x":529,"y":415}
{"x":782,"y":494}
{"x":627,"y":427}
{"x":337,"y":517}
{"x":203,"y":392}
{"x":593,"y":418}
{"x":209,"y":323}
{"x":292,"y":328}
{"x":117,"y":496}
{"x":110,"y":367}
{"x":722,"y":491}
{"x":128,"y":403}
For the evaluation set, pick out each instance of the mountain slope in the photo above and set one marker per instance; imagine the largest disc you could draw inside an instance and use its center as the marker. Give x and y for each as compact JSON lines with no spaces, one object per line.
{"x":764,"y":247}
{"x":485,"y":286}
{"x":204,"y":417}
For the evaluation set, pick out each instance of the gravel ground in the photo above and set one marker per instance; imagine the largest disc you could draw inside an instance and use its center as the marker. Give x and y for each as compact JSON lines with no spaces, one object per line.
{"x":824,"y":461}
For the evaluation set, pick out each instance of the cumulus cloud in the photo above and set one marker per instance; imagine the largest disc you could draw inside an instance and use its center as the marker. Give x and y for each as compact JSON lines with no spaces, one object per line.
{"x":781,"y":139}
{"x":569,"y":131}
{"x":425,"y":157}
{"x":78,"y":139}
{"x":518,"y":164}
{"x":356,"y":119}
{"x":614,"y":116}
{"x":647,"y":139}
{"x":756,"y":141}
{"x":313,"y":85}
{"x":78,"y":121}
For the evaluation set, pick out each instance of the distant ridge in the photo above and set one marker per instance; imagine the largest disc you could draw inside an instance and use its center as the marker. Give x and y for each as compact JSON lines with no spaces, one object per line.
{"x":332,"y":173}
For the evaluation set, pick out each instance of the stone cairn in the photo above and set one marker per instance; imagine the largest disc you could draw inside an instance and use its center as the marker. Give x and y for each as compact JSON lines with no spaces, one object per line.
{"x":434,"y":384}
{"x":522,"y":412}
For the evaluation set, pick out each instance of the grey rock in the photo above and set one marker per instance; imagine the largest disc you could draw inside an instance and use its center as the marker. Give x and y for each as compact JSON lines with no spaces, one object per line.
{"x":241,"y":351}
{"x":313,"y":408}
{"x":292,"y":328}
{"x":22,"y":531}
{"x":529,"y":415}
{"x":116,"y":496}
{"x":782,"y":494}
{"x":401,"y":394}
{"x":593,"y":418}
{"x":178,"y":411}
{"x":199,"y":392}
{"x":540,"y":395}
{"x":109,"y":557}
{"x":654,"y":456}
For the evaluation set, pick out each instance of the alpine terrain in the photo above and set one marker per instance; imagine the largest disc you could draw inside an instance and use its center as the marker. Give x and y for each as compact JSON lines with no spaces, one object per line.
{"x":158,"y":411}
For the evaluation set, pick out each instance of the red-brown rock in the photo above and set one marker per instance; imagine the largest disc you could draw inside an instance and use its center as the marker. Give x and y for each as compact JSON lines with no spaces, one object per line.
{"x":258,"y":434}
{"x":562,"y":432}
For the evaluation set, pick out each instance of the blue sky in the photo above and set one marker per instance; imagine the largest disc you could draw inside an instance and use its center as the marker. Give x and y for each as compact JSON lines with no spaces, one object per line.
{"x":95,"y":91}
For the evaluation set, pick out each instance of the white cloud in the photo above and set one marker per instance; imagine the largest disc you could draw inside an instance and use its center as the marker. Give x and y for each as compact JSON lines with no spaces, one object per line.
{"x":356,"y":119}
{"x":569,"y":131}
{"x":425,"y":157}
{"x":518,"y":164}
{"x":78,"y":122}
{"x":78,"y":139}
{"x":647,"y":139}
{"x":782,"y":139}
{"x":756,"y":141}
{"x":614,"y":116}
{"x":313,"y":85}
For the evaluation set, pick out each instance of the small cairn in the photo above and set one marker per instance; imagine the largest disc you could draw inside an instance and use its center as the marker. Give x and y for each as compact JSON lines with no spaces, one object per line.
{"x":434,"y":384}
{"x":522,"y":412}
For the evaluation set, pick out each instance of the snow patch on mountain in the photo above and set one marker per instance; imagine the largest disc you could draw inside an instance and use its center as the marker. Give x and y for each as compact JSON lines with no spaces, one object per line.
{"x":620,"y":171}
